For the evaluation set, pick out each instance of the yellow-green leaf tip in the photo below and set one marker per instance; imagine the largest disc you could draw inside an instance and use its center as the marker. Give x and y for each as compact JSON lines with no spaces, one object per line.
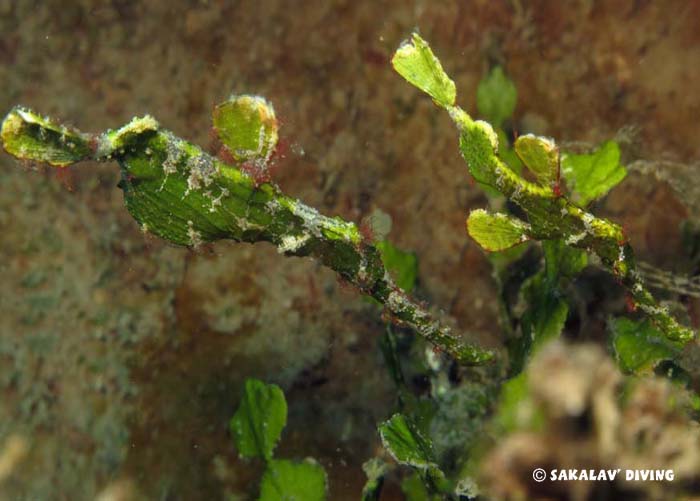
{"x":29,"y":136}
{"x":496,"y":232}
{"x":247,"y":127}
{"x":593,"y":175}
{"x":418,"y":65}
{"x":541,"y":156}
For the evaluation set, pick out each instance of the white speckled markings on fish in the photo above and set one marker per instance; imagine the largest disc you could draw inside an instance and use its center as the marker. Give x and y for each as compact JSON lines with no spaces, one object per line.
{"x":176,"y":191}
{"x":550,"y":214}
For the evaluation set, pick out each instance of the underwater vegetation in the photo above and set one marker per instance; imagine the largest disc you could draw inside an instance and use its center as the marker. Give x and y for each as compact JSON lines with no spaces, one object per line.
{"x":180,"y":193}
{"x":256,"y":428}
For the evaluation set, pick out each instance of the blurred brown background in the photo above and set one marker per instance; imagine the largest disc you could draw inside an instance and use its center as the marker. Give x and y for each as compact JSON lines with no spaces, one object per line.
{"x":121,"y":358}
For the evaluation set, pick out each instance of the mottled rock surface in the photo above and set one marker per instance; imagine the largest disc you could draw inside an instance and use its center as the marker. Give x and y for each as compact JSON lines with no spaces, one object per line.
{"x":121,"y":358}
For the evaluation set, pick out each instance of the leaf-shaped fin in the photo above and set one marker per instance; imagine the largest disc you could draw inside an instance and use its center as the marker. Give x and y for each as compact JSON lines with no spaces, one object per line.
{"x":257,"y":425}
{"x":541,"y":156}
{"x":247,"y":126}
{"x":496,"y":97}
{"x":30,"y":136}
{"x":496,"y":232}
{"x":593,"y":175}
{"x":416,"y":63}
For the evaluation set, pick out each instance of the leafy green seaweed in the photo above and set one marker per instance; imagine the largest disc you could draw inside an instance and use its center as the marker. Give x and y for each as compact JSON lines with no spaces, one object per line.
{"x":496,"y":97}
{"x":639,"y":348}
{"x":286,"y":480}
{"x":593,"y":175}
{"x":256,"y":428}
{"x":258,"y":423}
